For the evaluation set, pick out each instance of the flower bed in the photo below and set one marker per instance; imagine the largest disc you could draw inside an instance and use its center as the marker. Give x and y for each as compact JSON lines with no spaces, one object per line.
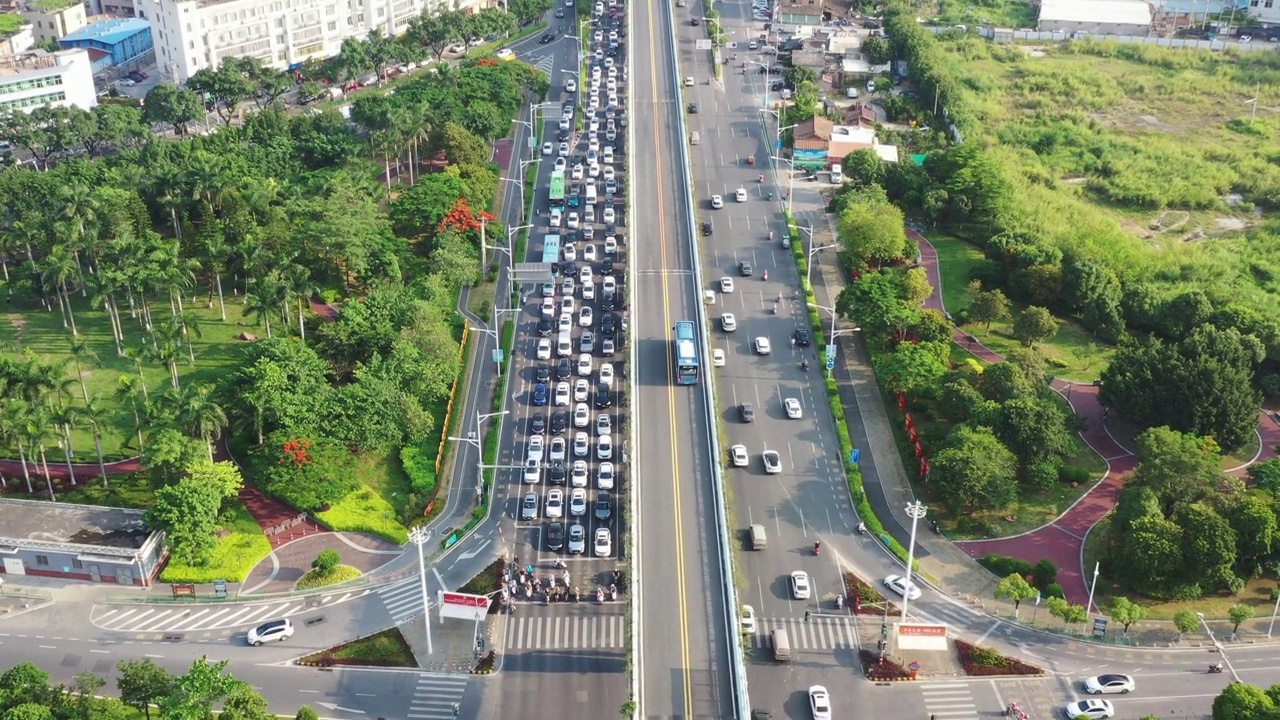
{"x":855,"y":586}
{"x":979,"y":661}
{"x":882,"y":669}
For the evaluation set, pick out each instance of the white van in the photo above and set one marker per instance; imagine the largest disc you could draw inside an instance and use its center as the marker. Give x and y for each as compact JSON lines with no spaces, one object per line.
{"x":589,"y":215}
{"x":837,"y":174}
{"x":591,"y":193}
{"x":564,"y":344}
{"x":781,"y":645}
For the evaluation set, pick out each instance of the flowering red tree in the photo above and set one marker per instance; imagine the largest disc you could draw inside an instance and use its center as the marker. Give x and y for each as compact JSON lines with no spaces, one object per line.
{"x":461,"y":219}
{"x":308,"y":473}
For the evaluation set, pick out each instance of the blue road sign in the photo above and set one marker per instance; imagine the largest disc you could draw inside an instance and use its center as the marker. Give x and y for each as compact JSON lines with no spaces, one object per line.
{"x":831,"y":363}
{"x":497,"y":355}
{"x":831,"y":351}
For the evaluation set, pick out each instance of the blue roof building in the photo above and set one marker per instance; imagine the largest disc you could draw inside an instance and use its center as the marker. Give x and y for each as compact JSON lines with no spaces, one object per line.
{"x":120,"y":39}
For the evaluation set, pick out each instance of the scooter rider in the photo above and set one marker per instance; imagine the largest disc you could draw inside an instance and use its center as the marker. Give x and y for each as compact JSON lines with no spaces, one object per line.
{"x":817,"y":546}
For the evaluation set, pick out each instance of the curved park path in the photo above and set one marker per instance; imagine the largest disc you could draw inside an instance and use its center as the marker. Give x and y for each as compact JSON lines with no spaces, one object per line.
{"x":1062,"y":539}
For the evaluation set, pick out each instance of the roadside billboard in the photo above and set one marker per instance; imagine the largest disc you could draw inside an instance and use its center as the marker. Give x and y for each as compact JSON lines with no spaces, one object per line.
{"x":462,"y":606}
{"x":921,"y":636}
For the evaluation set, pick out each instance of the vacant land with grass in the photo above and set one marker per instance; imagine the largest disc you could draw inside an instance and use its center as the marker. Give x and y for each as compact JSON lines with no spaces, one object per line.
{"x":1148,"y":158}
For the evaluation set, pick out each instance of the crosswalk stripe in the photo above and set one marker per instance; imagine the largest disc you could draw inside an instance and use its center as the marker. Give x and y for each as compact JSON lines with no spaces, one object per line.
{"x":190,"y":619}
{"x":565,"y":632}
{"x":210,"y":621}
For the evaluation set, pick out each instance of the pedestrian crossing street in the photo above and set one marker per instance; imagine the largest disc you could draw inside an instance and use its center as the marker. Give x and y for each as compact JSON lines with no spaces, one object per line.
{"x":402,"y":600}
{"x":195,"y":618}
{"x":820,"y":633}
{"x":566,"y":632}
{"x":435,"y":695}
{"x":949,"y":701}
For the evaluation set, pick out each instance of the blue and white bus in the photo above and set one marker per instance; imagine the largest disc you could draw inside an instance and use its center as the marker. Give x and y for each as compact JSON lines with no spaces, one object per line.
{"x":551,"y":250}
{"x":685,"y":349}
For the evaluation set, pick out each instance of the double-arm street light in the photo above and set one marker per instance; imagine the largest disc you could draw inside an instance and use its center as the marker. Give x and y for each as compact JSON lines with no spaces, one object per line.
{"x":833,"y":333}
{"x":473,"y":438}
{"x":813,"y":250}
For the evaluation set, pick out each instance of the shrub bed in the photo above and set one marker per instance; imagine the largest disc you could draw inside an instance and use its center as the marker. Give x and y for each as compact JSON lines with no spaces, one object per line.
{"x":881,"y":668}
{"x":316,"y":578}
{"x":385,"y":649}
{"x":978,"y":661}
{"x":241,"y":545}
{"x":365,"y":511}
{"x":855,"y":586}
{"x":486,"y":581}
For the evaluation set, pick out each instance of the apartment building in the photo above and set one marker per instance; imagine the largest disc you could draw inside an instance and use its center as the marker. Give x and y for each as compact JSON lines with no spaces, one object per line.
{"x":194,"y":34}
{"x":53,"y":20}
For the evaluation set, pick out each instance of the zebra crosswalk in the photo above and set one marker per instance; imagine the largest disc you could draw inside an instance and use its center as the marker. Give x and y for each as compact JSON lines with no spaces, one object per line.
{"x":197,"y":618}
{"x":403,"y":600}
{"x":820,"y":633}
{"x":435,"y":696}
{"x":566,"y":632}
{"x":949,"y":701}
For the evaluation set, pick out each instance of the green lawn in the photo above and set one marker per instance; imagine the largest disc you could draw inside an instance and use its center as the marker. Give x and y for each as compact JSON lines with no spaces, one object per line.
{"x":956,"y":258}
{"x":28,"y":327}
{"x":367,"y":512}
{"x":384,"y":474}
{"x":242,"y":546}
{"x":385,"y":649}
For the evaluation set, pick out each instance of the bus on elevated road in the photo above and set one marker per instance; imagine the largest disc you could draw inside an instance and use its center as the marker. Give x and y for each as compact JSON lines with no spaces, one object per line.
{"x":685,"y":349}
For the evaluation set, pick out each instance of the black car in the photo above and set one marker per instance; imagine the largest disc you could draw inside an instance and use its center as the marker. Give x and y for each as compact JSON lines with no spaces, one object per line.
{"x":544,"y":373}
{"x":706,"y":227}
{"x":546,"y":38}
{"x":607,"y":302}
{"x":564,"y":369}
{"x":545,"y":326}
{"x":604,"y":505}
{"x":744,"y":267}
{"x":777,"y":85}
{"x":555,"y":536}
{"x":562,"y":135}
{"x":557,"y":472}
{"x":538,"y":424}
{"x":608,"y":324}
{"x":570,"y":269}
{"x":871,"y":24}
{"x":747,"y":412}
{"x":606,"y":266}
{"x":802,"y":337}
{"x":604,"y":395}
{"x":559,"y":422}
{"x":693,"y":108}
{"x":695,"y":22}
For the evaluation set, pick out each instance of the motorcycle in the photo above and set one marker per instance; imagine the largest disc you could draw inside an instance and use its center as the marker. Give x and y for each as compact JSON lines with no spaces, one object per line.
{"x":862,"y":528}
{"x":765,"y":276}
{"x":839,"y":602}
{"x":560,"y":565}
{"x":817,"y":547}
{"x":599,"y":595}
{"x":1215,"y":668}
{"x":804,"y":365}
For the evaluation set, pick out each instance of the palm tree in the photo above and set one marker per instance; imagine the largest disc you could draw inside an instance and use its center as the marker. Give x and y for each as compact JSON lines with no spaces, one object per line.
{"x":185,"y":326}
{"x":81,"y":353}
{"x":199,"y":415}
{"x":105,"y":284}
{"x":35,"y":430}
{"x":215,"y":253}
{"x":13,"y":423}
{"x":129,"y":389}
{"x":92,"y":415}
{"x":265,"y":297}
{"x":164,"y":350}
{"x":58,"y":266}
{"x":165,"y":183}
{"x":80,"y":210}
{"x":298,"y":286}
{"x":64,"y":417}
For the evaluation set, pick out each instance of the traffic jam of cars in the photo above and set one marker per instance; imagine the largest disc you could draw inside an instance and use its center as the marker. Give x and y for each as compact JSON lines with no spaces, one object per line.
{"x":572,"y":457}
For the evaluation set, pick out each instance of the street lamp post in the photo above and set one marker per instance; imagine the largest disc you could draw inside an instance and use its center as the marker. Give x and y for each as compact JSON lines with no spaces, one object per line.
{"x":791,"y":179}
{"x":473,"y":439}
{"x":834,"y":333}
{"x":1274,"y":610}
{"x":1088,"y":608}
{"x":1218,"y":646}
{"x":808,"y":261}
{"x":916,"y":511}
{"x":421,"y":536}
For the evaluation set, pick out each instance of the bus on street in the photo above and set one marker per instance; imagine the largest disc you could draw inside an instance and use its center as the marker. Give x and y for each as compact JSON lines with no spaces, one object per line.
{"x":551,"y":250}
{"x":685,"y":349}
{"x":557,"y":189}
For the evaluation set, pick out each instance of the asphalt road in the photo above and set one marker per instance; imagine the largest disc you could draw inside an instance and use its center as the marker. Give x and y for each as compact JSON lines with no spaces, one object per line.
{"x":683,"y":660}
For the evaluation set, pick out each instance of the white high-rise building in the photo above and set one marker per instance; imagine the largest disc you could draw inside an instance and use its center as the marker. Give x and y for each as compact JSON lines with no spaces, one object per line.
{"x":194,"y":34}
{"x":36,"y":78}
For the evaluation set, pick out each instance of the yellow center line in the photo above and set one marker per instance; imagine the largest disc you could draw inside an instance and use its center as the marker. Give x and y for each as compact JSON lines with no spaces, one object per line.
{"x":661,"y":215}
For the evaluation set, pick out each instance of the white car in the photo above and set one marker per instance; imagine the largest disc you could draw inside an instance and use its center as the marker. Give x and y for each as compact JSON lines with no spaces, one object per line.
{"x":589,"y":253}
{"x":610,"y":216}
{"x":738,"y":456}
{"x":748,"y":615}
{"x":603,"y":543}
{"x":581,"y":444}
{"x":567,"y":306}
{"x":726,"y":284}
{"x":578,"y":502}
{"x":535,"y":448}
{"x":577,"y":540}
{"x":740,"y":194}
{"x":688,"y":81}
{"x":566,"y":322}
{"x":579,"y":172}
{"x":800,"y":585}
{"x":556,"y":451}
{"x":584,"y":364}
{"x":762,"y":346}
{"x":581,"y":390}
{"x":609,"y":284}
{"x":532,"y":471}
{"x":570,"y":252}
{"x":604,"y":448}
{"x":792,"y":406}
{"x":604,"y":476}
{"x":898,"y":584}
{"x":270,"y":631}
{"x":555,"y":504}
{"x":574,"y":221}
{"x":772,"y":462}
{"x":557,"y":217}
{"x":549,"y":306}
{"x":610,"y":173}
{"x":1093,"y":709}
{"x":717,"y":357}
{"x":819,"y":703}
{"x":562,"y":394}
{"x":578,"y":476}
{"x":728,"y":322}
{"x":544,"y":348}
{"x":584,"y":275}
{"x":571,"y":85}
{"x":586,"y":316}
{"x":564,"y":149}
{"x":588,"y":290}
{"x":604,"y":425}
{"x":594,"y":169}
{"x":1109,"y":684}
{"x":567,"y":287}
{"x":717,"y":202}
{"x":529,"y":507}
{"x":605,"y":374}
{"x":581,"y":415}
{"x":548,"y":148}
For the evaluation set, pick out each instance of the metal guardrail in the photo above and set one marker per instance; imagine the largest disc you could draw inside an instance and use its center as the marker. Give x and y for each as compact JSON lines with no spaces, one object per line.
{"x":734,"y":639}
